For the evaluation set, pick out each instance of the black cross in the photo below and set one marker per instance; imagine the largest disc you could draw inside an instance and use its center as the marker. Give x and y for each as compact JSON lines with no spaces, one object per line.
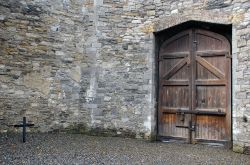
{"x":24,"y":125}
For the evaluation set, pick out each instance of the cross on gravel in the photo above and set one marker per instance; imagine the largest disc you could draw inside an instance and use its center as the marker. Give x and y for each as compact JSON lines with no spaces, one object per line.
{"x":24,"y":125}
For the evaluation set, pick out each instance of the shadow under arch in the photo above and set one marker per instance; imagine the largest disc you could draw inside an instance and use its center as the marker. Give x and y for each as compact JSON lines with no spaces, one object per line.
{"x":223,"y":29}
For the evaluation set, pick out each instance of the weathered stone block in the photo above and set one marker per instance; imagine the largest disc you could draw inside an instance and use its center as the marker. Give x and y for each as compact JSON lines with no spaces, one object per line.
{"x":238,"y":148}
{"x":151,"y":12}
{"x":242,"y":43}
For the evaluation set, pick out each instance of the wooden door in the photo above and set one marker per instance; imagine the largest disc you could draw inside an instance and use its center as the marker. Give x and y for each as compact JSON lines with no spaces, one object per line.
{"x":195,"y":88}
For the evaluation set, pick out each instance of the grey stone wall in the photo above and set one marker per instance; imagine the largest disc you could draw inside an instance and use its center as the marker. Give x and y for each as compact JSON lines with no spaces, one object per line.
{"x":73,"y":65}
{"x":89,"y":65}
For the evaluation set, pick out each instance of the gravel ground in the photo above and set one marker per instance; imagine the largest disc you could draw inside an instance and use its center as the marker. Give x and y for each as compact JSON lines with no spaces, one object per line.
{"x":81,"y":149}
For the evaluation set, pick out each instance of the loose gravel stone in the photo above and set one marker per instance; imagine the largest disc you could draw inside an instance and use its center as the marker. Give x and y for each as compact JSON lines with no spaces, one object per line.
{"x":81,"y":149}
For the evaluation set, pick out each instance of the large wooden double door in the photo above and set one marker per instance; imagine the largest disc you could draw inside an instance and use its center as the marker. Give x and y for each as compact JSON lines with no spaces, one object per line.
{"x":195,"y":88}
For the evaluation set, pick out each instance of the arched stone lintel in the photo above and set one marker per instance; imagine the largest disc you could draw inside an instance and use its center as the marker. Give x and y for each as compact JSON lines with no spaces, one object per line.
{"x":176,"y":19}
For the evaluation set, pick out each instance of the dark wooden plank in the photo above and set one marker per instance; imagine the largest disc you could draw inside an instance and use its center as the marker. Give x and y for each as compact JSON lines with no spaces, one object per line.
{"x":174,"y":82}
{"x":193,"y":76}
{"x":176,"y":110}
{"x":211,"y":82}
{"x":228,"y":101}
{"x":224,"y":143}
{"x":170,"y":138}
{"x":173,"y":109}
{"x":176,"y":37}
{"x":174,"y":55}
{"x":177,"y":67}
{"x":216,"y":36}
{"x":211,"y":109}
{"x":210,"y":67}
{"x":211,"y":53}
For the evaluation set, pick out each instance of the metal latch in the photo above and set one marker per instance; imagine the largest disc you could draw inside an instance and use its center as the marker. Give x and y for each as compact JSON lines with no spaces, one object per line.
{"x":191,"y":126}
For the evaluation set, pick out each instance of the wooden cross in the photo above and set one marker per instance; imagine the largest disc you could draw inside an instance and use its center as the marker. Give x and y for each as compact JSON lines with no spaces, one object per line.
{"x":24,"y":125}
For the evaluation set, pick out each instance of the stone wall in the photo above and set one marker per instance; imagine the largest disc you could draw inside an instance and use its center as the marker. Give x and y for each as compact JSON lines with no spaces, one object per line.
{"x":89,"y":65}
{"x":74,"y":65}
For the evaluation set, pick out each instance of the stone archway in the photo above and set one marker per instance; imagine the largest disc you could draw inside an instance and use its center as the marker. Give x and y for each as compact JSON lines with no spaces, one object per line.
{"x":239,"y":47}
{"x":174,"y":20}
{"x":166,"y":22}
